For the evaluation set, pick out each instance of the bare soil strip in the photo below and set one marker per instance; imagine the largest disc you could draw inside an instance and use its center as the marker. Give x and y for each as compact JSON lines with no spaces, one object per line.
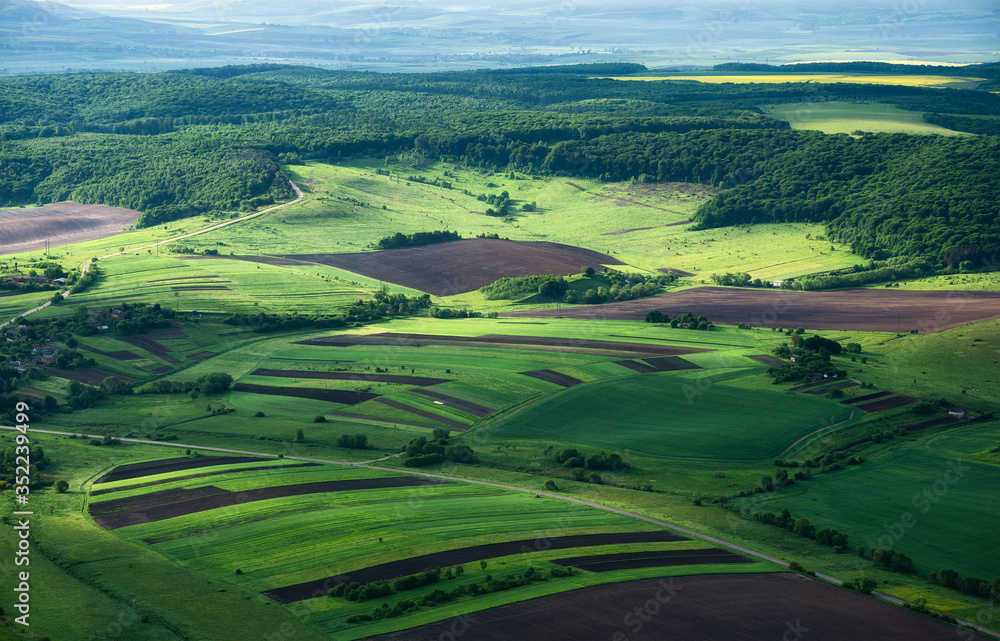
{"x":351,"y":376}
{"x":197,"y":476}
{"x":456,"y":267}
{"x":675,"y":272}
{"x":457,"y":403}
{"x":150,"y":346}
{"x":502,"y":341}
{"x":23,"y":230}
{"x":913,"y":427}
{"x":772,"y":361}
{"x":200,"y":355}
{"x":637,"y":366}
{"x":413,"y":565}
{"x":430,"y":415}
{"x":866,"y":397}
{"x":158,"y":508}
{"x":89,"y":375}
{"x":887,"y":404}
{"x":735,"y":607}
{"x":550,"y":376}
{"x":824,"y":390}
{"x":652,"y":559}
{"x":120,"y":356}
{"x":846,"y":309}
{"x":670,"y":363}
{"x":799,"y":388}
{"x":162,"y":466}
{"x":344,"y":397}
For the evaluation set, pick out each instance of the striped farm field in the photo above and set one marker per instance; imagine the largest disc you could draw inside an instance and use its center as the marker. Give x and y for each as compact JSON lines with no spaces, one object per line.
{"x":289,"y":531}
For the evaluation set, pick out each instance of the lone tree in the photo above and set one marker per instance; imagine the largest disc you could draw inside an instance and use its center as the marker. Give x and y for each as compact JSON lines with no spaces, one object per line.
{"x":61,"y":486}
{"x":299,"y":435}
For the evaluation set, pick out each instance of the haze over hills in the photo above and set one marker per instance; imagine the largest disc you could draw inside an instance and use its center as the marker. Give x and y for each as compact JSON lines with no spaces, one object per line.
{"x":92,"y":35}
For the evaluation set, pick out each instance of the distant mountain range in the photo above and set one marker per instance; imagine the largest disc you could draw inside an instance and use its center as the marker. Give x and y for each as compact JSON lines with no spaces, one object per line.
{"x":369,"y":34}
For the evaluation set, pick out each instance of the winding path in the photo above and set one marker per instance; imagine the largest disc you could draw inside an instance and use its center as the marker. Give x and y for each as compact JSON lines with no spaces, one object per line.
{"x":86,"y":266}
{"x":516,"y":488}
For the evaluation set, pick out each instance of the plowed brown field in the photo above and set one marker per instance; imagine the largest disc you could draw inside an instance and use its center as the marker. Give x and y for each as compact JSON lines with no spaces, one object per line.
{"x":460,"y":266}
{"x":740,"y":607}
{"x":847,"y":309}
{"x":22,"y":230}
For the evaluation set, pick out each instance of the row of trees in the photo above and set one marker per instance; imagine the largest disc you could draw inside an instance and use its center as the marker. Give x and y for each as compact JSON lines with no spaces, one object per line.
{"x":398,"y":240}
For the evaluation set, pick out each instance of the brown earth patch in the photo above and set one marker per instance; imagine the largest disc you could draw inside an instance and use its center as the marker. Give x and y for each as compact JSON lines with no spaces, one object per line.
{"x":550,"y":376}
{"x":158,"y":506}
{"x":824,"y":390}
{"x":200,"y":355}
{"x":24,"y":230}
{"x":734,"y":607}
{"x":637,"y":366}
{"x":162,"y":466}
{"x":197,"y":476}
{"x":429,"y":415}
{"x":88,"y":375}
{"x":344,"y":397}
{"x":675,"y":272}
{"x":670,"y":363}
{"x":120,"y":356}
{"x":887,"y":404}
{"x":912,"y":427}
{"x":460,"y":266}
{"x":457,"y":403}
{"x":866,"y":397}
{"x":413,"y":565}
{"x":772,"y":361}
{"x":162,"y":369}
{"x":652,"y":559}
{"x":350,"y":376}
{"x":500,"y":341}
{"x":848,"y":309}
{"x":151,"y":346}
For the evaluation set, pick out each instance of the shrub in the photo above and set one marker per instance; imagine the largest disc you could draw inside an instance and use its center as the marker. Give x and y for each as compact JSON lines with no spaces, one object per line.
{"x":319,"y":419}
{"x":551,"y":486}
{"x":61,"y":486}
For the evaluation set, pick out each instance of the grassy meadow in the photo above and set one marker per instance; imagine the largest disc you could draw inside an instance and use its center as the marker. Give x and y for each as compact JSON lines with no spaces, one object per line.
{"x":674,"y":416}
{"x":846,"y":118}
{"x":934,"y":480}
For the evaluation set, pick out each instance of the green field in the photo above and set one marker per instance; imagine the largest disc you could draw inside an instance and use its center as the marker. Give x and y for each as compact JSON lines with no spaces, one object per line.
{"x":932,"y":480}
{"x":817,"y":77}
{"x":846,"y":118}
{"x":672,"y":416}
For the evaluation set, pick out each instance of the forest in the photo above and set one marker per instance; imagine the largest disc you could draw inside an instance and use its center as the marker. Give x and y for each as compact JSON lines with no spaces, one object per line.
{"x":206,"y":143}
